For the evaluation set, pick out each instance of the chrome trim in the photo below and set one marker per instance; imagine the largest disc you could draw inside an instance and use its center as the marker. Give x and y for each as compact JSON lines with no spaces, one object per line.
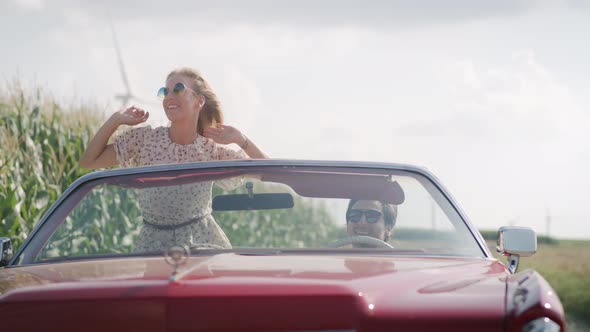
{"x":541,"y":324}
{"x":512,"y":262}
{"x":516,"y":241}
{"x":175,"y":257}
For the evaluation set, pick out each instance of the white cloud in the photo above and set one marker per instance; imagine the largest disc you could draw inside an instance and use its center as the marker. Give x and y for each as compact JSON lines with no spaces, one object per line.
{"x":311,"y":14}
{"x":77,"y":18}
{"x":519,"y":132}
{"x":242,"y":96}
{"x":30,"y":5}
{"x":519,"y":99}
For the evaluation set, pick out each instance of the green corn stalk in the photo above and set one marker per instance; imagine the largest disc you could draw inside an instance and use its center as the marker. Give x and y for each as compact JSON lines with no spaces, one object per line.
{"x":40,"y":145}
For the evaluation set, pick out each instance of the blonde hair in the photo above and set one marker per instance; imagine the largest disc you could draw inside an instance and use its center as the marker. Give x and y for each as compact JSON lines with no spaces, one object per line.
{"x":211,"y":113}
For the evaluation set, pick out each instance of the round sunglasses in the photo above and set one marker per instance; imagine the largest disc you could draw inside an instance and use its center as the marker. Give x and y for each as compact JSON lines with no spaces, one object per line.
{"x":371,"y":216}
{"x":178,"y":89}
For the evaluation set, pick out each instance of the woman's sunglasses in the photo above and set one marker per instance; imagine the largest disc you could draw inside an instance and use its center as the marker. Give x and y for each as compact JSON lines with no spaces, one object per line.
{"x":178,"y":89}
{"x":371,"y":216}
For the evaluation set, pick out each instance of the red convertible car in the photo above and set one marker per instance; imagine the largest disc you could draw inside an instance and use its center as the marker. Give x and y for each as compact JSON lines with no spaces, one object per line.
{"x":268,"y":245}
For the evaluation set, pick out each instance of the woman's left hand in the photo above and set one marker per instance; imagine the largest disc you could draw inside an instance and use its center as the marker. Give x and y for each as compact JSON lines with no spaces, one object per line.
{"x":223,"y":134}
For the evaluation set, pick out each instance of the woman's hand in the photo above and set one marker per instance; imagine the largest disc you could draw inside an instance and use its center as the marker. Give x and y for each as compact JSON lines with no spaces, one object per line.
{"x":131,"y":116}
{"x":100,"y":154}
{"x":223,"y":134}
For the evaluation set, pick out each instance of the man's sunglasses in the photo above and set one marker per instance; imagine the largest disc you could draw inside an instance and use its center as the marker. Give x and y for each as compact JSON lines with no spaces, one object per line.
{"x":371,"y":216}
{"x":179,"y":89}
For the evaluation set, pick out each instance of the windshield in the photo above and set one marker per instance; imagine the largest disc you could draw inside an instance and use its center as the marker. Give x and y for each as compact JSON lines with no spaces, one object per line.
{"x":292,"y":209}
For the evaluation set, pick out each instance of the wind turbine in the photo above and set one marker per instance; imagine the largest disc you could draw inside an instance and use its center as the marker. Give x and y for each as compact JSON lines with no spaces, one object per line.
{"x":128,"y":95}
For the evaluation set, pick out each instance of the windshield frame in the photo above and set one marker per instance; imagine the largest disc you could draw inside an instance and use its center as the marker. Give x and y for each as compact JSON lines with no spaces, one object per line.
{"x":46,"y":226}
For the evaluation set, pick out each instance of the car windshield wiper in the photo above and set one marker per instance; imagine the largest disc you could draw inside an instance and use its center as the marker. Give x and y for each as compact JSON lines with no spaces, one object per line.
{"x":76,"y":258}
{"x":71,"y":258}
{"x":323,"y":251}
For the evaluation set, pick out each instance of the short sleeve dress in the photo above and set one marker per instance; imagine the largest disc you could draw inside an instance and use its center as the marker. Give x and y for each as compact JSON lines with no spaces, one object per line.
{"x":179,"y":214}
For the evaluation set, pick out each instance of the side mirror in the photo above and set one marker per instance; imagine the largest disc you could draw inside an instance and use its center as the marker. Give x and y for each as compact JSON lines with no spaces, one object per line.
{"x":514,"y":242}
{"x":5,"y":250}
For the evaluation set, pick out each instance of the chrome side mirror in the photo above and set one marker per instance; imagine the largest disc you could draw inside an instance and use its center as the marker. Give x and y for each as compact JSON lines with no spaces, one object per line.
{"x":514,"y":241}
{"x":5,"y":250}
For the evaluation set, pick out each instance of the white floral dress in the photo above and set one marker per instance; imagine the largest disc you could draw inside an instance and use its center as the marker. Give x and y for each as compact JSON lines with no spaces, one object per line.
{"x":179,"y":214}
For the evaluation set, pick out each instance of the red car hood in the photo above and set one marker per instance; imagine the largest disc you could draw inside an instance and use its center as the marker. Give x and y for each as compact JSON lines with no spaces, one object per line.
{"x":292,"y":292}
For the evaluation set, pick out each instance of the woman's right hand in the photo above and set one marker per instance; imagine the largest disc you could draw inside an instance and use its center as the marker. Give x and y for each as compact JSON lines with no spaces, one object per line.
{"x":130,"y":116}
{"x":100,"y":154}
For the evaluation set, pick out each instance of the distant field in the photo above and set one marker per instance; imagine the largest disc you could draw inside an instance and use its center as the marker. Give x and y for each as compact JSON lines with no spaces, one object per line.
{"x":566,"y":266}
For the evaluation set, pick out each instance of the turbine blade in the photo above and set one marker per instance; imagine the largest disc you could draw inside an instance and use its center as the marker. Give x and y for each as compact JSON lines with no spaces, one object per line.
{"x":120,"y":59}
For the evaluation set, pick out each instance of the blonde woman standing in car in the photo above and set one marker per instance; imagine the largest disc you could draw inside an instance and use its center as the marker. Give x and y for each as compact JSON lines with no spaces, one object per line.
{"x":196,"y":133}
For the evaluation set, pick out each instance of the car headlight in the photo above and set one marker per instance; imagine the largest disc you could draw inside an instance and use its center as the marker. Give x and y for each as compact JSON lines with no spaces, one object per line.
{"x":542,"y":324}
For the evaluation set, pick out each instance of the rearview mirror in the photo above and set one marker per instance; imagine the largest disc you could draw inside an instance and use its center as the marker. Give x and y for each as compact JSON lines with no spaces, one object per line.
{"x":246,"y":202}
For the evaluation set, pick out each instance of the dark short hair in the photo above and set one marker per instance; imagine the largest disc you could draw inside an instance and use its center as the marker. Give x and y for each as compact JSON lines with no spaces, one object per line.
{"x":389,"y":211}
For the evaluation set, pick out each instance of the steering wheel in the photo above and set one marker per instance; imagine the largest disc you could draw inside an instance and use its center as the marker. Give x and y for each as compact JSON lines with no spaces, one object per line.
{"x":360,"y":239}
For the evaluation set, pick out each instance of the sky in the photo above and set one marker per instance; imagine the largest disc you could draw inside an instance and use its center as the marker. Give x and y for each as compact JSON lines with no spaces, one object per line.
{"x":491,"y":96}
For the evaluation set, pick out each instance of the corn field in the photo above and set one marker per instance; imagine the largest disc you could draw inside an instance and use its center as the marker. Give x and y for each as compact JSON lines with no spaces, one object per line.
{"x":40,"y":145}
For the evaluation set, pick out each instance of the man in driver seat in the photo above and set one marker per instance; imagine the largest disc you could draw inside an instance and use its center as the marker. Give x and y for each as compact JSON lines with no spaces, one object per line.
{"x":370,"y":218}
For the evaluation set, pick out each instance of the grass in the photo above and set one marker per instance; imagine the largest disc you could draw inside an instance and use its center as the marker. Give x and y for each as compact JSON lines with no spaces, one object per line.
{"x":565,"y":264}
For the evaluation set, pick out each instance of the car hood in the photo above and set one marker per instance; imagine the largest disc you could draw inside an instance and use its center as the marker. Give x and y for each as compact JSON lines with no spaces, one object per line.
{"x":372,"y":290}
